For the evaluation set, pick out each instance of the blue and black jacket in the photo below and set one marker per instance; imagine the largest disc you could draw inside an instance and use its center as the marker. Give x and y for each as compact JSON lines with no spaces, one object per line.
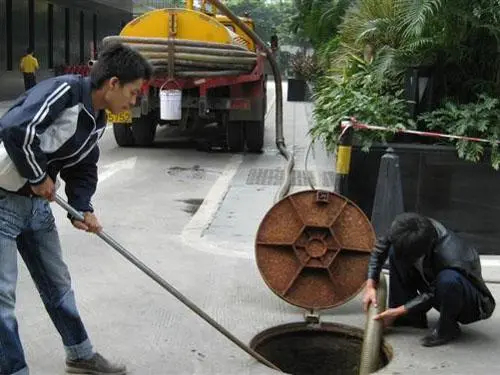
{"x":50,"y":130}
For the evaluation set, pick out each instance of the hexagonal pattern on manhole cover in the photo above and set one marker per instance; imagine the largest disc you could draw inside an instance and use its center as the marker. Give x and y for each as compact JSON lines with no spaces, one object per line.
{"x":313,"y":249}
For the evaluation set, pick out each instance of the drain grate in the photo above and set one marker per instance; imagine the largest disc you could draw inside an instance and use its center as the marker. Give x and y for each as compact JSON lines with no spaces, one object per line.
{"x":267,"y":176}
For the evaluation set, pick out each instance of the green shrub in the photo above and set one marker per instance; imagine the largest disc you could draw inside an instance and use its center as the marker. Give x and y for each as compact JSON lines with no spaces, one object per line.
{"x":480,"y":119}
{"x":362,"y":96}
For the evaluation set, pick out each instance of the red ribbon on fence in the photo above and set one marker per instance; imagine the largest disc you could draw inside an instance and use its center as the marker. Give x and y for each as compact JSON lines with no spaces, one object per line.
{"x":358,"y":125}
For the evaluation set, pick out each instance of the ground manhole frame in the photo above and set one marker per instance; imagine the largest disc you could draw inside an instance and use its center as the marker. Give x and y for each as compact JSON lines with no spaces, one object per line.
{"x":340,"y":331}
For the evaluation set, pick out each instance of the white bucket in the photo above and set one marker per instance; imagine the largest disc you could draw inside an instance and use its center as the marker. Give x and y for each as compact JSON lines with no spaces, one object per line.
{"x":170,"y":104}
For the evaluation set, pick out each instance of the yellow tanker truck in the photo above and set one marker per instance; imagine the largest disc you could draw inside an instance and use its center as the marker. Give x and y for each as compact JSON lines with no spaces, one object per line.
{"x":208,"y":80}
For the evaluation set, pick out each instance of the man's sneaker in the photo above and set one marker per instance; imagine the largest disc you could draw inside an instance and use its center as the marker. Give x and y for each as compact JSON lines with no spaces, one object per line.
{"x":97,"y":365}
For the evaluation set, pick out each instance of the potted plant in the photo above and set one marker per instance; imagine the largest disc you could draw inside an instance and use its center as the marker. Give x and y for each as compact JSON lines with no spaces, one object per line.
{"x":303,"y":69}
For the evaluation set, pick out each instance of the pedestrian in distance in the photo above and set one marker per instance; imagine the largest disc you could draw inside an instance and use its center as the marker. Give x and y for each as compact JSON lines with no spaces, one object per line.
{"x":28,"y":66}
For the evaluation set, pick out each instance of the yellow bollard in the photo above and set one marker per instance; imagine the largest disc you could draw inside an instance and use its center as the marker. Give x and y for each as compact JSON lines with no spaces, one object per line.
{"x":344,"y":151}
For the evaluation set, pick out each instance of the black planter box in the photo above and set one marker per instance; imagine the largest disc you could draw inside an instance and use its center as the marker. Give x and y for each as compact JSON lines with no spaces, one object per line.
{"x":462,"y":195}
{"x":298,"y":90}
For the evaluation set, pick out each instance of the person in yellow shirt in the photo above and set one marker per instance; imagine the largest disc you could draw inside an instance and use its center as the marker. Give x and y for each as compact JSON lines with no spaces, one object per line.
{"x":29,"y":66}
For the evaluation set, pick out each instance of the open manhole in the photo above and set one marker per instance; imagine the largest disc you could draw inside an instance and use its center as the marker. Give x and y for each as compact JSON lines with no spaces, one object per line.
{"x":312,"y":250}
{"x":327,"y":349}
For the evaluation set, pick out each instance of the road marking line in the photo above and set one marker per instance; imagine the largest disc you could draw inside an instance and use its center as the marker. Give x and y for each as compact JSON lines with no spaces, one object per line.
{"x":201,"y":220}
{"x":113,"y":168}
{"x":192,"y":234}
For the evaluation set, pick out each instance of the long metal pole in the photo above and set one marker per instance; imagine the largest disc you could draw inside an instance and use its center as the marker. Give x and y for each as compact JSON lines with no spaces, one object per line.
{"x":165,"y":285}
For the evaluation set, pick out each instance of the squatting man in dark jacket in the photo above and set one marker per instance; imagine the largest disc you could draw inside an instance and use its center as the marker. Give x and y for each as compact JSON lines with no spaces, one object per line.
{"x":53,"y":130}
{"x":429,"y":267}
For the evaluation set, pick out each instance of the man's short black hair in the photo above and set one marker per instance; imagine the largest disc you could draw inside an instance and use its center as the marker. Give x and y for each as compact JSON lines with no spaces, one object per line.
{"x":118,"y":60}
{"x":412,"y":235}
{"x":29,"y":50}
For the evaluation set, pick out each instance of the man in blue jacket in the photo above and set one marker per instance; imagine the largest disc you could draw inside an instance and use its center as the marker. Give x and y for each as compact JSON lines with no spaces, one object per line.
{"x":53,"y":130}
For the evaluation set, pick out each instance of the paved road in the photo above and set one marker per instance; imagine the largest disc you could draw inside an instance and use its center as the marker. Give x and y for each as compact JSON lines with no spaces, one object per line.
{"x":149,"y":200}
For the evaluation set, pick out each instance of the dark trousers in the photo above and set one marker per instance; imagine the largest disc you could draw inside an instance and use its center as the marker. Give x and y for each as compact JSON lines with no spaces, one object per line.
{"x":29,"y":80}
{"x":455,"y":297}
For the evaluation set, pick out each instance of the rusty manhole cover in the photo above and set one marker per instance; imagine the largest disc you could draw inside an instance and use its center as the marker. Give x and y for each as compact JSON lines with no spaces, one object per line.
{"x":313,"y":248}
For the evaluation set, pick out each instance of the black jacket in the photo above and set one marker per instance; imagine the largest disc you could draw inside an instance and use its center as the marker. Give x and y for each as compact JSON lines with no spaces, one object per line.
{"x":450,"y":252}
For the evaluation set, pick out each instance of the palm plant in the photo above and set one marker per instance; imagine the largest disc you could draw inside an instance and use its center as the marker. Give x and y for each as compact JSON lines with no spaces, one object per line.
{"x":460,"y":37}
{"x":392,"y":33}
{"x":318,"y":20}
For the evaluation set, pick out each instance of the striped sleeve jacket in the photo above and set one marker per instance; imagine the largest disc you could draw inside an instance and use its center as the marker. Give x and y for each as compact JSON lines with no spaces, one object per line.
{"x":53,"y":130}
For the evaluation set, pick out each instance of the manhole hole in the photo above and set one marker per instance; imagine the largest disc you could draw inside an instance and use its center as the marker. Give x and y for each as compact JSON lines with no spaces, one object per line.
{"x":302,"y":349}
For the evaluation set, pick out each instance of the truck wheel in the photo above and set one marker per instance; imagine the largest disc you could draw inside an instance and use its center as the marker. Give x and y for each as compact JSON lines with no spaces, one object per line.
{"x":123,"y":135}
{"x":254,"y":134}
{"x":144,"y":129}
{"x":235,"y":136}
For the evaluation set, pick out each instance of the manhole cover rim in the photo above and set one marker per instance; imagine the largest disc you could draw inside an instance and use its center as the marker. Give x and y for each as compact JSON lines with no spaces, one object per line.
{"x":339,"y":329}
{"x":301,"y":304}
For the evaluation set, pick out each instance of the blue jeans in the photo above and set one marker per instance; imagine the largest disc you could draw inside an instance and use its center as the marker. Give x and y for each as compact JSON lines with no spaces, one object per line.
{"x":27,"y":225}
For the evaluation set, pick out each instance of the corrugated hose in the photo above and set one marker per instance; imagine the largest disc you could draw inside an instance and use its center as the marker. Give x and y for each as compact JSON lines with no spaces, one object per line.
{"x":372,"y":340}
{"x":280,"y":140}
{"x":191,"y":58}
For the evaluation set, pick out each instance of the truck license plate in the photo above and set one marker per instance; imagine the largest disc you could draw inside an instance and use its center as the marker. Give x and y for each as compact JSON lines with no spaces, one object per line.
{"x":120,"y":118}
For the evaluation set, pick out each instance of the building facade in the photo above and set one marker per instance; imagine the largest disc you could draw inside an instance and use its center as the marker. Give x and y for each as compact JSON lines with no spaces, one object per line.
{"x":62,"y":32}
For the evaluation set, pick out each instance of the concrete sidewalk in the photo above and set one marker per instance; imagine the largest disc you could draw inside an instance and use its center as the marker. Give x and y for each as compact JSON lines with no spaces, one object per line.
{"x":252,"y":192}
